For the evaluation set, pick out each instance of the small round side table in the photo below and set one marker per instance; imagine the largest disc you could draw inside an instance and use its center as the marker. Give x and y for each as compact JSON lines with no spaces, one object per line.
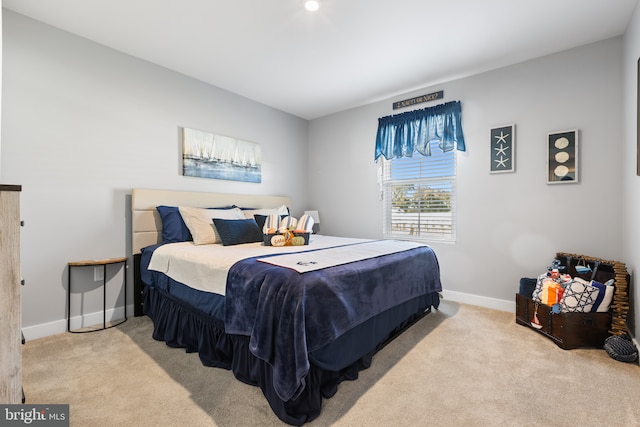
{"x":97,"y":263}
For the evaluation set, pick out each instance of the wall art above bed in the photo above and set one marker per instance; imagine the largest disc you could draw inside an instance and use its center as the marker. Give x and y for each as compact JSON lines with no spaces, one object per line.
{"x":208,"y":155}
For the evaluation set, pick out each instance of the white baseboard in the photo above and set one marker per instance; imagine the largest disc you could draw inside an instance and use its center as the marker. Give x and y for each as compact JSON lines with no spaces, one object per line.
{"x":494,"y":303}
{"x":60,"y":326}
{"x":90,"y":319}
{"x":634,"y":340}
{"x":44,"y":329}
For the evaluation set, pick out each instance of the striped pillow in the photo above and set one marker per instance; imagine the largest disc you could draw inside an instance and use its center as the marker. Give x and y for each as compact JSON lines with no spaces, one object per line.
{"x":305,"y":223}
{"x":287,"y":223}
{"x":271,"y":222}
{"x":605,"y":296}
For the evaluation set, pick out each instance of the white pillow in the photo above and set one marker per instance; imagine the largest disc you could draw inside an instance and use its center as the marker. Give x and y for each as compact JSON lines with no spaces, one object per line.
{"x":280,"y":210}
{"x":606,"y":301}
{"x":199,"y":221}
{"x":578,"y":297}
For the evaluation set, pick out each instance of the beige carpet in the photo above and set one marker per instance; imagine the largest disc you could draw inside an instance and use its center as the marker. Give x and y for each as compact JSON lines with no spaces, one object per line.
{"x":459,"y":366}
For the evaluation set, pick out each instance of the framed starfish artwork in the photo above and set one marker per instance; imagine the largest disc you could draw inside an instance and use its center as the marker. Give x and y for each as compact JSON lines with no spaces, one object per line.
{"x":503,"y":149}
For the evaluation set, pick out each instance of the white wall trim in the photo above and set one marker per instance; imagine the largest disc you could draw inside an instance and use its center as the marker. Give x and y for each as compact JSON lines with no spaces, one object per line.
{"x":494,"y":303}
{"x":636,"y":343}
{"x":60,"y":326}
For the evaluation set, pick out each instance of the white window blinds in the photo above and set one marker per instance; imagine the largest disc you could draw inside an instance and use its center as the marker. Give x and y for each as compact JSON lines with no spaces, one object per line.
{"x":419,"y":196}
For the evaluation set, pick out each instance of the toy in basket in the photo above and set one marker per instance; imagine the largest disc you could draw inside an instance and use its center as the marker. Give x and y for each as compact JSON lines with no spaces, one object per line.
{"x":286,"y":231}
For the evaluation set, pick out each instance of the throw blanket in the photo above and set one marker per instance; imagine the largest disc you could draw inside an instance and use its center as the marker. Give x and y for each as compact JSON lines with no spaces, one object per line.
{"x":287,"y":315}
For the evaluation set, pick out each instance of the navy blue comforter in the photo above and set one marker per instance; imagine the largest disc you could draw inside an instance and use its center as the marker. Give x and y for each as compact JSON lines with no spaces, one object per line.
{"x":287,"y":315}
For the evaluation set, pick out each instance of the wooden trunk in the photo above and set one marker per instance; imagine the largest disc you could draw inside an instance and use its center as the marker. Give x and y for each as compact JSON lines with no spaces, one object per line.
{"x":576,"y":330}
{"x":567,"y":330}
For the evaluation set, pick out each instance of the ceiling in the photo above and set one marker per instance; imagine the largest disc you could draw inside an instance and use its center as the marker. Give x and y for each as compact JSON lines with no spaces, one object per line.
{"x":347,"y":54}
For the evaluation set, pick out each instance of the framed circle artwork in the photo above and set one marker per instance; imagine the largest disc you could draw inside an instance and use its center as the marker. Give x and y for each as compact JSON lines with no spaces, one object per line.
{"x":562,"y":157}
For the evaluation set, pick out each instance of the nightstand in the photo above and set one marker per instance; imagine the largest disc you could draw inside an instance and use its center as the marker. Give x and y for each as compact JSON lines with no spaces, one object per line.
{"x":98,"y":263}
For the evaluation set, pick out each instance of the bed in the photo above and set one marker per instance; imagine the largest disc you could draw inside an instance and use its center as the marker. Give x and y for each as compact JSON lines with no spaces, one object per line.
{"x":294,"y":321}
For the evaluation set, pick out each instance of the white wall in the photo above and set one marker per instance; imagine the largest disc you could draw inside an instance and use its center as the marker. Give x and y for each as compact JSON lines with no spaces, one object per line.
{"x":509,"y":225}
{"x":631,"y":182}
{"x":83,"y":124}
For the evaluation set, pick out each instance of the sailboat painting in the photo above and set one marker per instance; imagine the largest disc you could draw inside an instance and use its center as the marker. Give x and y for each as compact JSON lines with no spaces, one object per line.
{"x":208,"y":155}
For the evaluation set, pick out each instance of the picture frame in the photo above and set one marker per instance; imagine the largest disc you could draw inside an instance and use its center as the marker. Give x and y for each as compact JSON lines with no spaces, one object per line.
{"x":503,"y":149}
{"x":562,"y":157}
{"x":214,"y":156}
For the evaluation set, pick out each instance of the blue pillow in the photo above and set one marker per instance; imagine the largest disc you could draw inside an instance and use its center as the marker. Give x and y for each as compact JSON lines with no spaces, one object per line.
{"x":173,"y":227}
{"x":237,"y":231}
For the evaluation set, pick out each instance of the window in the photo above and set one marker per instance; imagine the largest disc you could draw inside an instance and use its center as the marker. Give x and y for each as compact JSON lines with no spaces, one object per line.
{"x":419,"y":196}
{"x":418,"y":171}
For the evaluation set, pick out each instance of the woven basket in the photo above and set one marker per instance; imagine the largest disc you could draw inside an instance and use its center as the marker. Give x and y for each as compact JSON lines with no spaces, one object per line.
{"x":621,"y":349}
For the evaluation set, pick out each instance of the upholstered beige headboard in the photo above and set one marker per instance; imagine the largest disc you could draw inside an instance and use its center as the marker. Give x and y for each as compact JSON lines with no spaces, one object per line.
{"x":146,"y":227}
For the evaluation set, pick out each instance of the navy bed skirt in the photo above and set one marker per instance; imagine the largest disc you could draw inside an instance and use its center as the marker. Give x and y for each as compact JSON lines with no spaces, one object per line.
{"x":180,"y":325}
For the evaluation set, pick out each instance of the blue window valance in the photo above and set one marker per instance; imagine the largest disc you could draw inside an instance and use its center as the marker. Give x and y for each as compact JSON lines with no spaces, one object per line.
{"x":403,"y":134}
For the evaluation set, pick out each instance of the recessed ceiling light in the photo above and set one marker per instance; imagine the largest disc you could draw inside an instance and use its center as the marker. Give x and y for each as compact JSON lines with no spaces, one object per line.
{"x":312,"y":5}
